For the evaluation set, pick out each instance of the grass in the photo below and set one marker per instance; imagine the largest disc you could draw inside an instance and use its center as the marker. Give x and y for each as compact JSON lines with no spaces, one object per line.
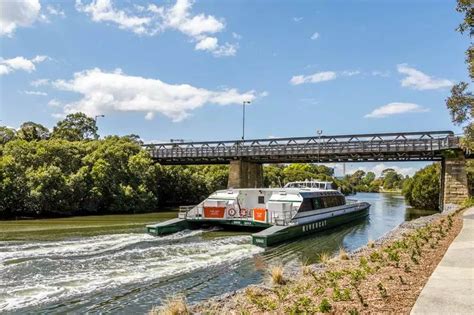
{"x":343,"y":254}
{"x":324,"y":258}
{"x":173,"y":306}
{"x":60,"y":228}
{"x":276,"y":273}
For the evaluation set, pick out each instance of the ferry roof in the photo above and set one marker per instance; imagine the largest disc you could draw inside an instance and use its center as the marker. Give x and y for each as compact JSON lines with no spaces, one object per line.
{"x":278,"y":189}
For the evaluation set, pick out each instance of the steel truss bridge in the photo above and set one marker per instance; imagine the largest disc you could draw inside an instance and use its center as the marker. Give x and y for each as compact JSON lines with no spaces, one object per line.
{"x":399,"y":146}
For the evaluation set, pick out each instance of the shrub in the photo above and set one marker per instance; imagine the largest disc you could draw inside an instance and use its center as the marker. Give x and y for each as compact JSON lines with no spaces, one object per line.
{"x":324,"y":257}
{"x":173,"y":306}
{"x":276,"y":273}
{"x":325,"y":306}
{"x":343,"y":254}
{"x":422,"y":190}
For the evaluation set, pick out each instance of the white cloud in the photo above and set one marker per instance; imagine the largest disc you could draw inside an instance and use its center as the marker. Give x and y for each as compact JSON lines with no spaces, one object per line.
{"x":396,"y":109}
{"x":115,"y":91}
{"x":14,"y":14}
{"x":350,"y":73}
{"x":377,"y":73}
{"x":236,"y":36}
{"x":297,"y":19}
{"x":38,"y":93}
{"x":153,"y":19}
{"x":39,"y":82}
{"x":207,"y":43}
{"x":322,"y":76}
{"x":55,"y":11}
{"x":315,"y":36}
{"x":420,"y":81}
{"x":104,"y":11}
{"x":313,"y":78}
{"x":19,"y":63}
{"x":55,"y":103}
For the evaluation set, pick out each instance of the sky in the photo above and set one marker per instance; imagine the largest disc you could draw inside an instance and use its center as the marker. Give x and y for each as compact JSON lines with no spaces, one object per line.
{"x":180,"y":69}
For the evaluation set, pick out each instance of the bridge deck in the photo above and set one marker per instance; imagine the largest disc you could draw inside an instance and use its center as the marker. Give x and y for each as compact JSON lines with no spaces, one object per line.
{"x":403,"y":146}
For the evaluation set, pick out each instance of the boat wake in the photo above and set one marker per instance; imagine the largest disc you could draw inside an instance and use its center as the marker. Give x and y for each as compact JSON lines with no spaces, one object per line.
{"x":36,"y":273}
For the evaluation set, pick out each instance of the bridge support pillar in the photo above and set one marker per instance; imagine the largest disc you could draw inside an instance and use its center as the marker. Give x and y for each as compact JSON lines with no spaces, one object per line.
{"x":454,"y":185}
{"x":244,"y":174}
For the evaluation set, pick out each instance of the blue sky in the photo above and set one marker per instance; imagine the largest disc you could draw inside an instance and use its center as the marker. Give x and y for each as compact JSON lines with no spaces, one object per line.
{"x":181,"y":69}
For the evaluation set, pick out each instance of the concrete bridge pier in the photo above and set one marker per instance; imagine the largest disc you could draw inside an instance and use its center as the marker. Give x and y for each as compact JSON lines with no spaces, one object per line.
{"x":454,"y":185}
{"x":245,"y":174}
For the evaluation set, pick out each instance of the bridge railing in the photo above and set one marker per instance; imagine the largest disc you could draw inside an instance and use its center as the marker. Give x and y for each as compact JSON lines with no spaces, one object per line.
{"x":325,"y":145}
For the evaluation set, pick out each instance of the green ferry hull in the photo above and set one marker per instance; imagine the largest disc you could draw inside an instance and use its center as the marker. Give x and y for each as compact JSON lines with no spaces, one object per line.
{"x":176,"y":225}
{"x":269,"y":234}
{"x":279,"y":234}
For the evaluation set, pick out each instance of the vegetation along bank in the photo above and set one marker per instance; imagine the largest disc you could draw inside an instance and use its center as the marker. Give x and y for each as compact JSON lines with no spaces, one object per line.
{"x":386,"y":276}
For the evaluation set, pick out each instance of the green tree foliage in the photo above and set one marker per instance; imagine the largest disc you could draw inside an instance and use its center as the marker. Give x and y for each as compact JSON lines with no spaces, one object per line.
{"x":70,"y":173}
{"x":76,"y":127}
{"x":6,"y":134}
{"x":461,"y":102}
{"x":392,"y":180}
{"x":31,"y":131}
{"x":422,"y":190}
{"x":279,"y":175}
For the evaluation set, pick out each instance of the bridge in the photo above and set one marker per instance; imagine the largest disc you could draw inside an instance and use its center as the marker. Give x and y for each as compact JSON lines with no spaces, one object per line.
{"x":247,"y":156}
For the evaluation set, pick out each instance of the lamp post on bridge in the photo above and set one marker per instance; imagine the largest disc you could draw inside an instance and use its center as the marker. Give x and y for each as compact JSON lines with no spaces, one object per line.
{"x":243,"y":118}
{"x":319,"y":132}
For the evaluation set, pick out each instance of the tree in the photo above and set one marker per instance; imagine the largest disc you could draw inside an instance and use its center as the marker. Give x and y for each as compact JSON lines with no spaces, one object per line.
{"x":461,"y":102}
{"x":31,"y":131}
{"x":76,"y":127}
{"x":369,"y":178}
{"x":6,"y":134}
{"x":135,"y":138}
{"x":422,"y":190}
{"x":392,"y":180}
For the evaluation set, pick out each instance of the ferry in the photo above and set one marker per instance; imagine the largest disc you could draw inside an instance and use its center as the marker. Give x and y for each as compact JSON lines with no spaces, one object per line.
{"x":278,"y":214}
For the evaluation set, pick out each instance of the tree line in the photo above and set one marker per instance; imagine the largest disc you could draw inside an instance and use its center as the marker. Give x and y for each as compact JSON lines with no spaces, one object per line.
{"x":70,"y":171}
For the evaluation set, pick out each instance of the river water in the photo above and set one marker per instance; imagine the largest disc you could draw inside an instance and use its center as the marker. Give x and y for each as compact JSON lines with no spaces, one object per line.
{"x":130,"y":273}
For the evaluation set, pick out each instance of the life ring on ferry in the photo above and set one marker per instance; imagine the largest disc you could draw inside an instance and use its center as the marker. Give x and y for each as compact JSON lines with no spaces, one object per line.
{"x":243,"y":212}
{"x":231,"y":212}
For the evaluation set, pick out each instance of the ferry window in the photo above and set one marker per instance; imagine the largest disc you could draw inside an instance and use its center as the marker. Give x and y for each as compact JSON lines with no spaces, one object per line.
{"x":306,"y":205}
{"x":317,"y":204}
{"x":261,"y":199}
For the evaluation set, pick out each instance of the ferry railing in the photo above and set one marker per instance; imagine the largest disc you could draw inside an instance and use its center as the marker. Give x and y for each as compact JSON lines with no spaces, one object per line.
{"x":285,"y":220}
{"x":184,"y":210}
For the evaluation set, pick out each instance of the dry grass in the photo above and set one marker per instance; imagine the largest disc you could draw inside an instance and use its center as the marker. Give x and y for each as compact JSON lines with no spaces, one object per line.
{"x":324,"y":258}
{"x":173,"y":306}
{"x":343,"y":254}
{"x":276,"y":273}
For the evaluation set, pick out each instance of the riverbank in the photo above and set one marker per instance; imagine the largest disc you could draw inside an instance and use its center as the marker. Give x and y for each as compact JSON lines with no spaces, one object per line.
{"x":385,"y":276}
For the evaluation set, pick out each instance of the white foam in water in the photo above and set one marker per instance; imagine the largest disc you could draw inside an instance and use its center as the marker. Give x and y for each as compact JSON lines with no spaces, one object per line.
{"x":99,"y":263}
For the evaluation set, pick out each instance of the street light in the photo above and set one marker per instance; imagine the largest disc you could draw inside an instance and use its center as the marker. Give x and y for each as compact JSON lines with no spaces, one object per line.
{"x":243,"y":118}
{"x":95,"y":119}
{"x":319,"y":132}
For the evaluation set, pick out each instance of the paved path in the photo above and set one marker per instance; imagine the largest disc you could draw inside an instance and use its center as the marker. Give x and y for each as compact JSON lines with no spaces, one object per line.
{"x":450,"y":289}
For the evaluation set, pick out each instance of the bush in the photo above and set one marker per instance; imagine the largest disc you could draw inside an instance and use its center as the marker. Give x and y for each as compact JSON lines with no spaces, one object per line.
{"x":325,"y":306}
{"x":422,"y":190}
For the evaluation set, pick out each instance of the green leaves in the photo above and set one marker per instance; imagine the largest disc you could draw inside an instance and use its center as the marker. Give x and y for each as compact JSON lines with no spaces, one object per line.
{"x":76,"y":127}
{"x":422,"y":190}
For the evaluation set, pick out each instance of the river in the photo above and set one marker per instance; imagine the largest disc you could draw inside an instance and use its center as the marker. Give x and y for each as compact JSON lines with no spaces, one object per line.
{"x":132,"y":272}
